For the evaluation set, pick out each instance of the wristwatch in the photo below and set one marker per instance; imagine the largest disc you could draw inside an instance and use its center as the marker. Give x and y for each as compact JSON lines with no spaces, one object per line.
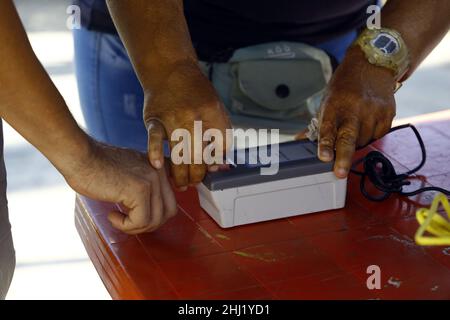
{"x":385,"y":48}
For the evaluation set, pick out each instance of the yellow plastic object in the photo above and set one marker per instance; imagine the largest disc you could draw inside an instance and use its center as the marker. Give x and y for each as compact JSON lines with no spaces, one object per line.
{"x":432,"y":222}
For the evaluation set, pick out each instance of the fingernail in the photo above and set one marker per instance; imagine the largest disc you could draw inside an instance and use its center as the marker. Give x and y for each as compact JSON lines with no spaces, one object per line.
{"x":342,"y":172}
{"x":157,"y":164}
{"x":213,"y":168}
{"x":182,"y":189}
{"x":325,"y":154}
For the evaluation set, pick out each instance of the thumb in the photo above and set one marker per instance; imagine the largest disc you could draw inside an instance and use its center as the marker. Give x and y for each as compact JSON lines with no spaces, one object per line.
{"x":156,"y":135}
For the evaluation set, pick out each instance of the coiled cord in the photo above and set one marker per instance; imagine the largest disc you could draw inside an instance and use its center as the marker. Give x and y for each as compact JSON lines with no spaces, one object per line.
{"x":379,"y":170}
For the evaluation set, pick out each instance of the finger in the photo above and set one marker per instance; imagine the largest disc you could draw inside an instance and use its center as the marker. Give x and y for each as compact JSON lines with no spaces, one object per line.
{"x":219,"y":167}
{"x":156,"y":135}
{"x":157,"y":208}
{"x":215,"y":147}
{"x":197,"y":168}
{"x":345,"y":147}
{"x":117,"y":220}
{"x":179,"y":166}
{"x":138,"y":217}
{"x":366,"y":133}
{"x":168,"y":197}
{"x":327,"y":136}
{"x":145,"y":211}
{"x":180,"y":175}
{"x":196,"y":173}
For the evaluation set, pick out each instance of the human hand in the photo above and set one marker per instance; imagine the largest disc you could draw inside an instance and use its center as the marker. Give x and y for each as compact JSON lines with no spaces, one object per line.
{"x":185,"y":96}
{"x":125,"y":177}
{"x":358,"y":107}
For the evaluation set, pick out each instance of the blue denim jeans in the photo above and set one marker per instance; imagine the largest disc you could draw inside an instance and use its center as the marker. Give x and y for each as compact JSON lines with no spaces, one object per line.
{"x":110,"y":94}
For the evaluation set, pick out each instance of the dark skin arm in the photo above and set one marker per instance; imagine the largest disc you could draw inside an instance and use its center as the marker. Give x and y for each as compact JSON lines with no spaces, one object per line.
{"x":359,"y":105}
{"x":32,"y":105}
{"x":176,"y":92}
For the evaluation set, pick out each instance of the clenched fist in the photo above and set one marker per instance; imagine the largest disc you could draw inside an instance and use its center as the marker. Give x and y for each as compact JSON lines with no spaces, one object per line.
{"x":125,"y":177}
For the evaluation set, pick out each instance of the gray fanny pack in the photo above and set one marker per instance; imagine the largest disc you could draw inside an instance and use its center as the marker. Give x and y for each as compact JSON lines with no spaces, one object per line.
{"x":273,"y":85}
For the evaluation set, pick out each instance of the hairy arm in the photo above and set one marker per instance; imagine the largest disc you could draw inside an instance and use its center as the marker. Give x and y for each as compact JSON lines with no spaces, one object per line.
{"x":422,"y":25}
{"x":29,"y":101}
{"x":176,"y":92}
{"x":31,"y":104}
{"x":156,"y":36}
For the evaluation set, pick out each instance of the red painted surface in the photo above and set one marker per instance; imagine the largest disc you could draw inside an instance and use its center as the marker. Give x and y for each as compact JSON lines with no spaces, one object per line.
{"x":317,"y":256}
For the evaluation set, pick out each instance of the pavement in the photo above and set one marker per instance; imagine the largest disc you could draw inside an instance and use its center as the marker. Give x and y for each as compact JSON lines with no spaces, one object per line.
{"x":51,"y":260}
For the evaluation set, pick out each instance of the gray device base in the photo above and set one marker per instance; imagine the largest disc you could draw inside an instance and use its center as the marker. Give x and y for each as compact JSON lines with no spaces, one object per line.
{"x":303,"y":185}
{"x":273,"y":200}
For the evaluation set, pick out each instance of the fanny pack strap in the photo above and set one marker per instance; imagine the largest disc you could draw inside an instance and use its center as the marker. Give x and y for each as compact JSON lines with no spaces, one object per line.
{"x":210,"y":55}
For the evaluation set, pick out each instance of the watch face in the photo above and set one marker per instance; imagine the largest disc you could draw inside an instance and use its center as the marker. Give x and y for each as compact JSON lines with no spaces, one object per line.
{"x":386,"y":43}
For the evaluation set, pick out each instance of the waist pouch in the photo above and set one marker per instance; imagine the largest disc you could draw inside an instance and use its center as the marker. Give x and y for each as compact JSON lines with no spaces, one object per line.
{"x":273,"y":85}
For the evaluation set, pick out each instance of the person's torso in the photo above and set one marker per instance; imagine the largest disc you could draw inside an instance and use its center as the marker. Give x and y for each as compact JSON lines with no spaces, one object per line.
{"x":224,"y":24}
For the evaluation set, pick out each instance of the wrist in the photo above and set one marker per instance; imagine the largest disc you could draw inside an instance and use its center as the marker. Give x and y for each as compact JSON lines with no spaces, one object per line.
{"x":159,"y":77}
{"x":357,"y":62}
{"x":386,"y":48}
{"x":78,"y":154}
{"x":185,"y":86}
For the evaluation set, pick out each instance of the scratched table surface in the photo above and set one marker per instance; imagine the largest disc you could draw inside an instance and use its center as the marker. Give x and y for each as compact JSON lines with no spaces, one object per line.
{"x":318,"y":256}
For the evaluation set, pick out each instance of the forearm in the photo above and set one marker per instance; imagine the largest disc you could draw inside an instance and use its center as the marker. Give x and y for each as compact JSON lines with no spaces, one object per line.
{"x":29,"y":101}
{"x":359,"y":105}
{"x":156,"y":36}
{"x":422,"y":25}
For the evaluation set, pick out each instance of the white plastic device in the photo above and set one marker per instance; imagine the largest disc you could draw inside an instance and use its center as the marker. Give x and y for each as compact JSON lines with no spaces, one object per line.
{"x":303,"y":185}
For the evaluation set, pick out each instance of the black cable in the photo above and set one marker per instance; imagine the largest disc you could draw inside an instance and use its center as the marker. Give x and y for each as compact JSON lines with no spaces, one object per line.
{"x":381,"y":172}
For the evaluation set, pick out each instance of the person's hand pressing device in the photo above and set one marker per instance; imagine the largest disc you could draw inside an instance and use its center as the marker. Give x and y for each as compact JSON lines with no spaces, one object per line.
{"x":359,"y":103}
{"x":185,"y":97}
{"x":359,"y":106}
{"x":176,"y":91}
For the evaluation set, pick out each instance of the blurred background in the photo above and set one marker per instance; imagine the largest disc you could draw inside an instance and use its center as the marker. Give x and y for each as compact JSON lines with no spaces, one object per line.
{"x":51,"y":260}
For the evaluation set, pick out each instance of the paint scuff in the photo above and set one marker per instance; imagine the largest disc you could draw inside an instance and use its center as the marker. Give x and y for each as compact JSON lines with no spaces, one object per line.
{"x":222,"y":236}
{"x":394,"y":282}
{"x":265,"y":257}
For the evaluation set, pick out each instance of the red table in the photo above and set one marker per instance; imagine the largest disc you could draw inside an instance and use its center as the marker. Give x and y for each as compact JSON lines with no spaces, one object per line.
{"x":323,"y":255}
